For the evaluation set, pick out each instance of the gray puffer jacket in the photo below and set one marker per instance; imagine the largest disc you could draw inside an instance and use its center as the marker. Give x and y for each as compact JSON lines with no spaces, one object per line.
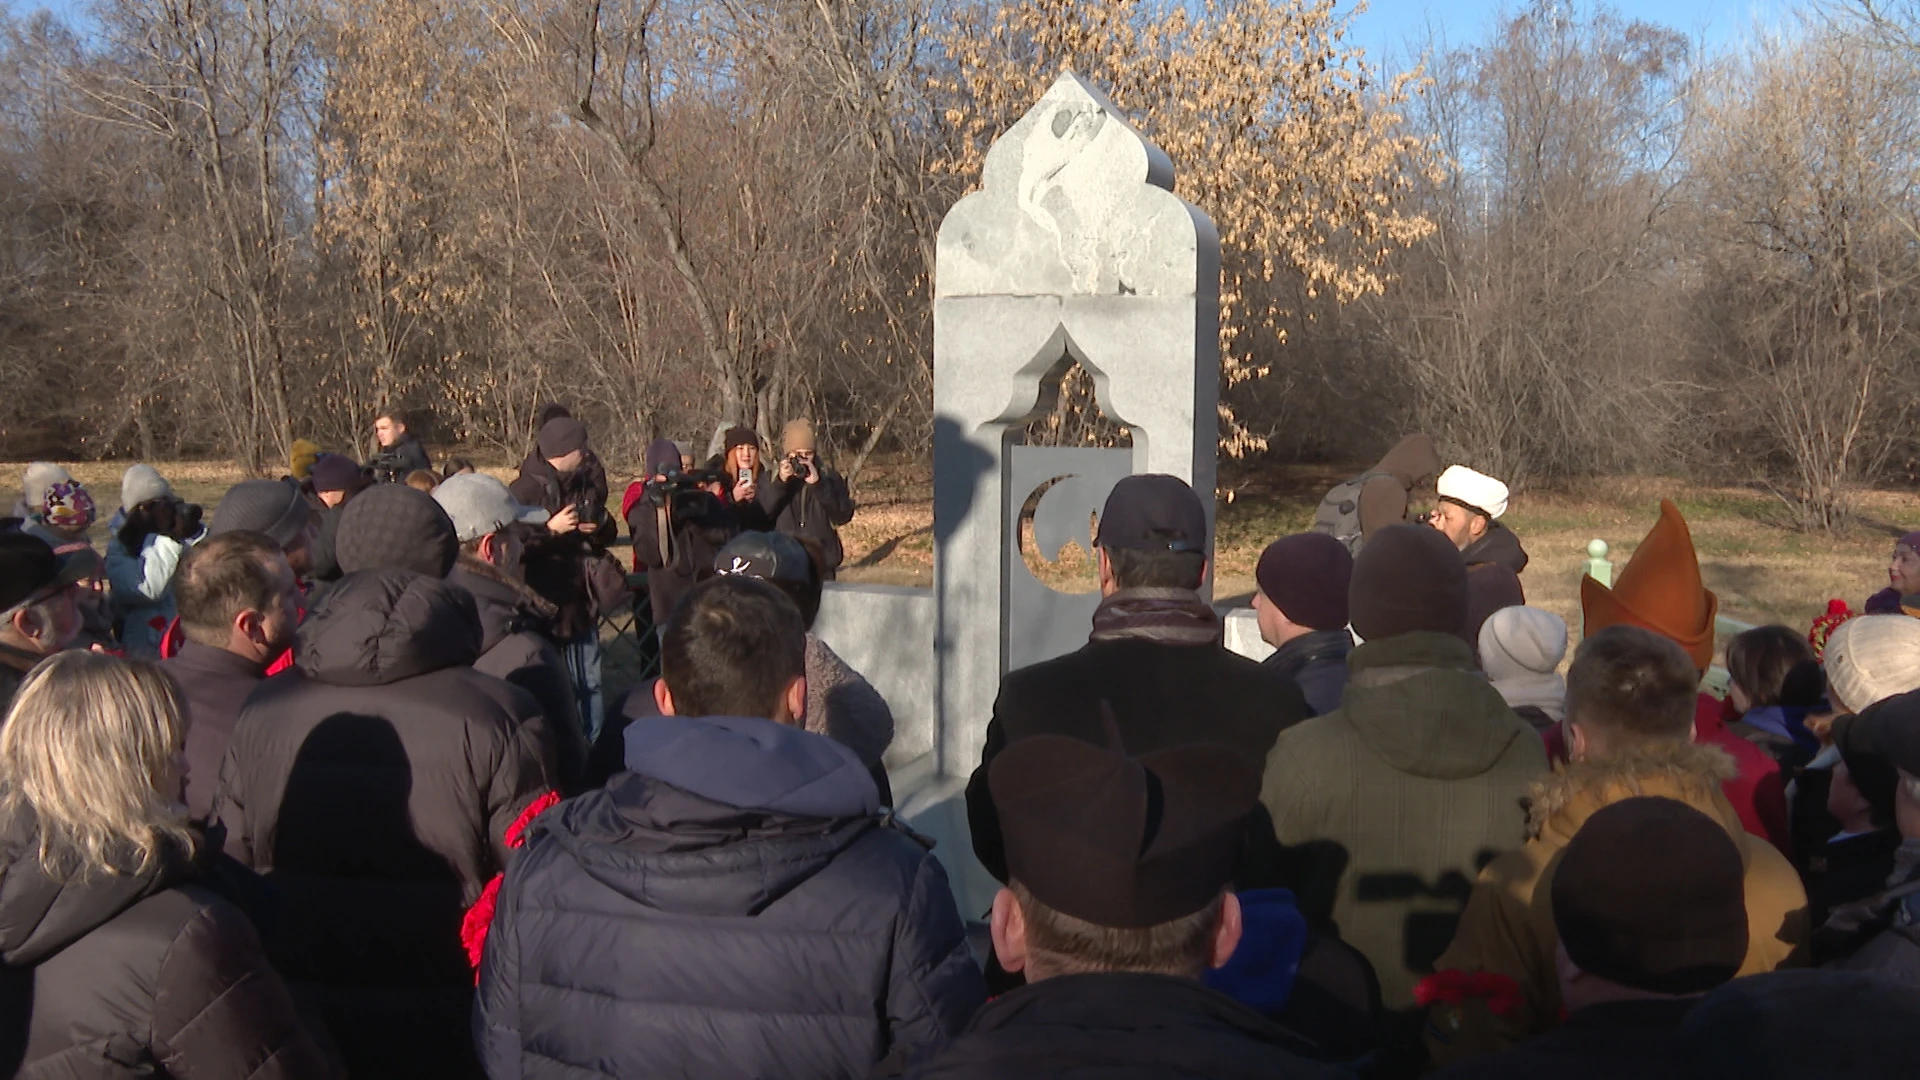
{"x":735,"y":906}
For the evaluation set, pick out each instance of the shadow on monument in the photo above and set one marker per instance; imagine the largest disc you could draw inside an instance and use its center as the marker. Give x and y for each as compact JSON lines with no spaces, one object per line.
{"x":958,"y":466}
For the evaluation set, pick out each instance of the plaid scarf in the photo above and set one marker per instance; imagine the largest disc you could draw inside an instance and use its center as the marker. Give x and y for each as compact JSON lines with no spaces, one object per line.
{"x":1166,"y":616}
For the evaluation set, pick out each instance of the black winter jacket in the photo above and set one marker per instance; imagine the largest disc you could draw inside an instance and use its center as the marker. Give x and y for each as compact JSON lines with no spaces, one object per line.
{"x":405,"y":456}
{"x":373,"y":784}
{"x":323,"y":559}
{"x":1637,"y":1039}
{"x":1162,"y":696}
{"x":514,"y":621}
{"x":557,"y":565}
{"x":14,"y":665}
{"x":812,"y":510}
{"x":734,"y":907}
{"x":215,"y":684}
{"x":134,"y":975}
{"x":694,"y":540}
{"x":1497,"y":545}
{"x":1317,"y":664}
{"x":1122,"y":1026}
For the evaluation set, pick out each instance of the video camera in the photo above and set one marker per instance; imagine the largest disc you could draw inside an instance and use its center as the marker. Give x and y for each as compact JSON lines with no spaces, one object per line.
{"x":386,"y":467}
{"x":684,"y":495}
{"x":801,"y":469}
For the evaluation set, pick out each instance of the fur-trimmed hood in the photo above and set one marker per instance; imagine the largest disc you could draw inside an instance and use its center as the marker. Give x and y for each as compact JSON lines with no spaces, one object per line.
{"x":1685,"y":771}
{"x":506,"y":605}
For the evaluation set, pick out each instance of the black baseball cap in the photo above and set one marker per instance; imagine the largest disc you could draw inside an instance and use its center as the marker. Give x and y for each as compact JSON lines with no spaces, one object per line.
{"x":1153,"y":512}
{"x":768,"y":556}
{"x":29,"y":569}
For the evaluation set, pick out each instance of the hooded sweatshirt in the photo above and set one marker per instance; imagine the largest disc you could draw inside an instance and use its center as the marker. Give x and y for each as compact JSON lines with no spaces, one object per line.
{"x":1508,"y":926}
{"x":1416,"y":778}
{"x":1384,"y":499}
{"x":734,"y":906}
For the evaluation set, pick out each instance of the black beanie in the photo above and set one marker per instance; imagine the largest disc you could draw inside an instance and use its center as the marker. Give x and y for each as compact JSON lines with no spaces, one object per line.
{"x":395,"y":527}
{"x":1407,"y":578}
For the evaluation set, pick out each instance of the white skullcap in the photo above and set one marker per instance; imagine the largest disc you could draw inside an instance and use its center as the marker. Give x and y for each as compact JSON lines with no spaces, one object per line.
{"x":1475,"y":489}
{"x":1872,"y":658}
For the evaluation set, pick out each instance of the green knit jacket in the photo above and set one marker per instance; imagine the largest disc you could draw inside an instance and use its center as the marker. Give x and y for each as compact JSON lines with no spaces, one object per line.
{"x":1399,"y":797}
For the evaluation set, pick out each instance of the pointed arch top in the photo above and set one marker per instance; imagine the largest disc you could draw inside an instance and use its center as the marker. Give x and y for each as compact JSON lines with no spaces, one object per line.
{"x":1074,"y":201}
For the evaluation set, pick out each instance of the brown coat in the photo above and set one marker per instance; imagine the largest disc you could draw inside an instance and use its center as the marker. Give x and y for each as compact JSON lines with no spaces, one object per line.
{"x":1508,"y":926}
{"x":1385,"y":500}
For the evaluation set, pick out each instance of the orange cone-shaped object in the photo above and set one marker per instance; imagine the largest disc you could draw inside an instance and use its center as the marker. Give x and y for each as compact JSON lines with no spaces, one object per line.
{"x":1659,"y":590}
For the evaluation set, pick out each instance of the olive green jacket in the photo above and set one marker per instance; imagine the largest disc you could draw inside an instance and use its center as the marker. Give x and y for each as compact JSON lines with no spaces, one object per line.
{"x":1399,"y":797}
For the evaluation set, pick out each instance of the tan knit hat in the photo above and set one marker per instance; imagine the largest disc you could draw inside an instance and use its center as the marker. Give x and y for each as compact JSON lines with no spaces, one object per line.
{"x":797,"y":436}
{"x":1872,"y":658}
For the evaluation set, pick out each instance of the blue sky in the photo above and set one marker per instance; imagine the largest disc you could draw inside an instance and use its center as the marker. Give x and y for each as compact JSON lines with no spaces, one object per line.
{"x":1390,"y":28}
{"x":1387,"y":27}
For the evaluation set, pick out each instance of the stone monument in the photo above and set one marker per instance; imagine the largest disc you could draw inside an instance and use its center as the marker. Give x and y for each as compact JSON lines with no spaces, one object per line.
{"x":1075,"y":249}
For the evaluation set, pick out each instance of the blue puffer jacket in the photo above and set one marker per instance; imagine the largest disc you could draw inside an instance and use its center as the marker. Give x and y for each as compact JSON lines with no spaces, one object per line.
{"x":735,"y":906}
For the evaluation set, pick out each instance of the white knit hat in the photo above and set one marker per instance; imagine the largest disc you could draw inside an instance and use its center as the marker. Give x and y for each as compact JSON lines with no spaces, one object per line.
{"x":1872,"y":658}
{"x":42,"y":475}
{"x":1518,"y":640}
{"x":1475,"y":489}
{"x":142,"y":483}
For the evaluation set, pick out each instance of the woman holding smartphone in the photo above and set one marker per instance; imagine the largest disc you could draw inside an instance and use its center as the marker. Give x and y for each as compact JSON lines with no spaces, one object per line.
{"x":741,"y":461}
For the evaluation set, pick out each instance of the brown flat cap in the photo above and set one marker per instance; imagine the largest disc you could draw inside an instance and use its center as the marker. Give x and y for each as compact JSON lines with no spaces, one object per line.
{"x":1651,"y":894}
{"x":1118,"y":841}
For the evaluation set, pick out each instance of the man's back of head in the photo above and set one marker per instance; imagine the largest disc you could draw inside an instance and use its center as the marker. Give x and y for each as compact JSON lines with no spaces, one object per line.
{"x":735,"y":646}
{"x":394,"y":527}
{"x":1628,"y":687}
{"x":1407,"y":579}
{"x":1118,"y":864}
{"x":233,"y":592}
{"x":1153,"y":535}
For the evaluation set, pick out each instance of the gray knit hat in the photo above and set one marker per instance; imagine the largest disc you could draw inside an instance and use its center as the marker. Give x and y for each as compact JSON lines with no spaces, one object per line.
{"x":1516,"y":641}
{"x":142,"y":483}
{"x":395,"y":527}
{"x":273,"y":507}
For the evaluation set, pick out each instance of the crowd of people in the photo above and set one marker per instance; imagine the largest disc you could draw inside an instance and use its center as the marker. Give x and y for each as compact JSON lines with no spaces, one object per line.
{"x":329,"y":785}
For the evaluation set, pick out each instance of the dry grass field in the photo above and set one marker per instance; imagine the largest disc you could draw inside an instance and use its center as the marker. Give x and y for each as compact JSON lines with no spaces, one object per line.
{"x":1763,"y":570}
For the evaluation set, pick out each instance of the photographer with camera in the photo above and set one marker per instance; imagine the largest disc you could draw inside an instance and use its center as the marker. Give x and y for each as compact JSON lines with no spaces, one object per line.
{"x":807,"y":500}
{"x":142,"y":557}
{"x":678,"y":525}
{"x":568,"y":562}
{"x":400,"y":452}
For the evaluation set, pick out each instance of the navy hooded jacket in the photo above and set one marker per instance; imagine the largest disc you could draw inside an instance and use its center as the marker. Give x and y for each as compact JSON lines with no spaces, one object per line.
{"x":733,"y":906}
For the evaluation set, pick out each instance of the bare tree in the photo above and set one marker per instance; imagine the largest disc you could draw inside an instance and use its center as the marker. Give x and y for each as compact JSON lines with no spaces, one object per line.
{"x":1808,"y":171}
{"x":1537,"y":329}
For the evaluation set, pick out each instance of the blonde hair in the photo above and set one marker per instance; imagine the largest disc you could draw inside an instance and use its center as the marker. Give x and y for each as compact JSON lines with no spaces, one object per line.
{"x":1067,"y":945}
{"x":87,"y":746}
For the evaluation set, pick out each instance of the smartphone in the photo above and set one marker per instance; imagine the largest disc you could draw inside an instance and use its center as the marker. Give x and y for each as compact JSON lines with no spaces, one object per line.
{"x":746,"y":476}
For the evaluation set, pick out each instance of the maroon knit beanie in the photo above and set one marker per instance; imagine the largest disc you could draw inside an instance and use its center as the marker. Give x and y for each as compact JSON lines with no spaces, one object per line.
{"x":1306,"y":576}
{"x":1407,"y":578}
